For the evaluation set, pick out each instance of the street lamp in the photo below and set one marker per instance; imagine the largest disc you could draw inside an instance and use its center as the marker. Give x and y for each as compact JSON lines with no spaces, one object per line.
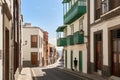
{"x":82,"y":33}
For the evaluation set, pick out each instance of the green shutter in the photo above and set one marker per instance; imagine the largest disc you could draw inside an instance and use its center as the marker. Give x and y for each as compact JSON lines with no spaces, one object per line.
{"x":71,"y":59}
{"x":80,"y":61}
{"x":66,"y":59}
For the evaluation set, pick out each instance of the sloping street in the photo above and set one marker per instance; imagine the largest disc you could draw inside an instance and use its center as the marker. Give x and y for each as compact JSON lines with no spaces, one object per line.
{"x":55,"y":74}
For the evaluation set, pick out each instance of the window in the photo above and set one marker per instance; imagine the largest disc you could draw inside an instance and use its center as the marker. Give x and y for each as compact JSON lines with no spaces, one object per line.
{"x":39,"y":42}
{"x":97,"y":9}
{"x":65,"y":32}
{"x":34,"y":41}
{"x":81,"y":24}
{"x":104,"y":6}
{"x":72,"y":29}
{"x":114,"y":3}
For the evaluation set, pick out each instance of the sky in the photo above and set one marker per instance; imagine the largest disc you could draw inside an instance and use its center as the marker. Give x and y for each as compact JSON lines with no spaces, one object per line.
{"x":46,"y":14}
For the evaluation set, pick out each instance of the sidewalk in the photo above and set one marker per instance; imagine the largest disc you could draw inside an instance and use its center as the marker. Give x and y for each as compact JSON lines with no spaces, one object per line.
{"x":87,"y":76}
{"x":26,"y":74}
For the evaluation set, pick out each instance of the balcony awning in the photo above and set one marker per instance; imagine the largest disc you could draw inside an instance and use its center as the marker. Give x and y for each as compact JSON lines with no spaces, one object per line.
{"x":61,"y":28}
{"x":65,"y":1}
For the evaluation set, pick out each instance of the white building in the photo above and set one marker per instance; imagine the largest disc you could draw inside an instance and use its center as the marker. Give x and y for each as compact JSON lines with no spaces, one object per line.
{"x":105,"y":37}
{"x":1,"y":42}
{"x":32,"y":45}
{"x":74,"y":43}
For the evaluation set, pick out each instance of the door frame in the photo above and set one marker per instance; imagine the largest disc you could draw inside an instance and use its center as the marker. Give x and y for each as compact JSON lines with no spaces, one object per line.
{"x":95,"y":54}
{"x":110,"y":46}
{"x":111,"y":50}
{"x":36,"y":57}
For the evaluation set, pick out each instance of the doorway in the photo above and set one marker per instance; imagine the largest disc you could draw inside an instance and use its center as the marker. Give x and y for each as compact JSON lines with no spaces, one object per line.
{"x":71,"y":59}
{"x":66,"y":58}
{"x":98,"y":47}
{"x":80,"y":61}
{"x":6,"y":54}
{"x":34,"y":58}
{"x":115,"y":49}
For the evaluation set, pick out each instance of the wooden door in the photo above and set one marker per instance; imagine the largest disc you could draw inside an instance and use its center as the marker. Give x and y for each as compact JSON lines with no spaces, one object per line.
{"x":98,"y":51}
{"x":6,"y":54}
{"x":80,"y":61}
{"x":116,"y":57}
{"x":34,"y":58}
{"x":99,"y":55}
{"x":66,"y":58}
{"x":115,"y":49}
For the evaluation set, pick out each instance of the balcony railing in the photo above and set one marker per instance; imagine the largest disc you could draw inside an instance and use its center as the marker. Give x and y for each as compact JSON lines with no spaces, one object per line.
{"x":76,"y":11}
{"x":78,"y":39}
{"x":61,"y":42}
{"x":70,"y":40}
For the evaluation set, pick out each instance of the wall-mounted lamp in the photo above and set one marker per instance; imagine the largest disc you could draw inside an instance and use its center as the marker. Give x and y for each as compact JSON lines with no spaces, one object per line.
{"x":82,"y":33}
{"x":25,"y":43}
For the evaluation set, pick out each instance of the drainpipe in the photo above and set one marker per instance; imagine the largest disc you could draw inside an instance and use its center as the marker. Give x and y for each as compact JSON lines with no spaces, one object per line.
{"x":88,"y":30}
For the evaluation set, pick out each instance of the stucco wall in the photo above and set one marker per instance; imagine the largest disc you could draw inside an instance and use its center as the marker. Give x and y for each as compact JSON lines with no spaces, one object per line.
{"x":104,"y":26}
{"x":91,"y":11}
{"x":1,"y":43}
{"x":26,"y":49}
{"x":78,"y":47}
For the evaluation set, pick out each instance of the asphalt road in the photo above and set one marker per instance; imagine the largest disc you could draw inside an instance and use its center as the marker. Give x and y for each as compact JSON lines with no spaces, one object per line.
{"x":55,"y":74}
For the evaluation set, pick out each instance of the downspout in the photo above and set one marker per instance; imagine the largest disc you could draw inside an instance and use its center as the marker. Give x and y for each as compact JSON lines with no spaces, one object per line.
{"x":88,"y":30}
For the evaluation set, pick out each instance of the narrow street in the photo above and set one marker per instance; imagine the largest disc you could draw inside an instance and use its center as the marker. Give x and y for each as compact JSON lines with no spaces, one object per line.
{"x":54,"y":74}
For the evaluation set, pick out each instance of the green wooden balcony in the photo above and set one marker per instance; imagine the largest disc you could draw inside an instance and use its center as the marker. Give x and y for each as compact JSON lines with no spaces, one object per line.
{"x":70,"y":40}
{"x":78,"y":39}
{"x":76,"y":11}
{"x":61,"y":42}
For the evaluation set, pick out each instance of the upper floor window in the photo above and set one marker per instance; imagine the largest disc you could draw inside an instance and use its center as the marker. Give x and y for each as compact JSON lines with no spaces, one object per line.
{"x":114,"y":3}
{"x":104,"y":6}
{"x":72,"y":29}
{"x":65,"y":32}
{"x":97,"y":9}
{"x":34,"y":41}
{"x":81,"y":24}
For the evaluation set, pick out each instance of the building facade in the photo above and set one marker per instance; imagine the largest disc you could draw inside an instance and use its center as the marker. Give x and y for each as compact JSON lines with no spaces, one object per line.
{"x":32,"y":46}
{"x":45,"y":47}
{"x":105,"y":37}
{"x":52,"y":54}
{"x":74,"y":43}
{"x":9,"y":26}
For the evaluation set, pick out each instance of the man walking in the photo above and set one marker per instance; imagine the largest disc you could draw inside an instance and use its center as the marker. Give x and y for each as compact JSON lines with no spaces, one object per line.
{"x":75,"y":64}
